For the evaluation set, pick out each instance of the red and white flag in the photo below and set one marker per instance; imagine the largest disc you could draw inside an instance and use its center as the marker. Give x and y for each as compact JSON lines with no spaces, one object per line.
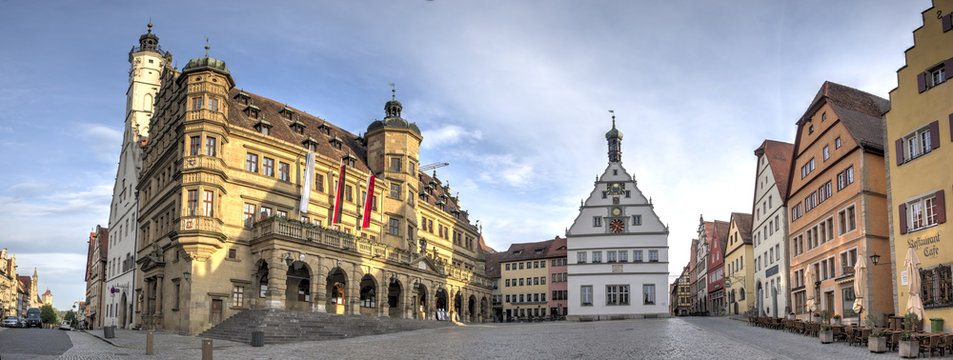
{"x":339,"y":195}
{"x":368,"y":201}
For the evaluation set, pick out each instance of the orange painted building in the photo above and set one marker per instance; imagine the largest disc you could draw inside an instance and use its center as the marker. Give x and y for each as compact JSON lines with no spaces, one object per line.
{"x":837,"y":204}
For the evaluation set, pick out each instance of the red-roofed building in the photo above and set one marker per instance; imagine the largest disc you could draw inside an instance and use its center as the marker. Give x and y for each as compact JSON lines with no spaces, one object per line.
{"x":525,"y":270}
{"x":716,"y":268}
{"x":9,"y":283}
{"x":769,"y":231}
{"x":97,"y":254}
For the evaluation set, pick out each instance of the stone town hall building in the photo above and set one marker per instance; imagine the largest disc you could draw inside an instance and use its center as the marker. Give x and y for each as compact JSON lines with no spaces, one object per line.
{"x":221,"y":226}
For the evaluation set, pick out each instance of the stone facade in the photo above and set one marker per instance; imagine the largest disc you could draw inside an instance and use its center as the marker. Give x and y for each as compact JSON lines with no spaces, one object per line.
{"x":769,"y":229}
{"x":221,"y":226}
{"x":739,"y":275}
{"x":96,"y":276}
{"x":527,"y":280}
{"x":918,"y":149}
{"x":8,"y":284}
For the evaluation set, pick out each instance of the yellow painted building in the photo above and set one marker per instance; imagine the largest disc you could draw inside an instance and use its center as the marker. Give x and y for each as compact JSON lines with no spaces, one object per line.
{"x":524,"y":272}
{"x":222,"y":227}
{"x":919,"y":155}
{"x":8,"y":283}
{"x":739,"y":272}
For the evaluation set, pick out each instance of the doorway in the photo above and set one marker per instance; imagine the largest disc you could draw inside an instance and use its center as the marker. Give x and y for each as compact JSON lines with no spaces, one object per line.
{"x":215,"y":316}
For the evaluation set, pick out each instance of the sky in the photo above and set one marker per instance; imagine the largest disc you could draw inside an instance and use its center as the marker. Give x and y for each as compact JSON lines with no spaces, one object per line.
{"x":513,"y":94}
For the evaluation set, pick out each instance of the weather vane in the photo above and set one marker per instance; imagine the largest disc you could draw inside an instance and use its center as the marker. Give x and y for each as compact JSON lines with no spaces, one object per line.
{"x":613,"y":117}
{"x":149,"y":25}
{"x":393,"y":91}
{"x":206,"y":46}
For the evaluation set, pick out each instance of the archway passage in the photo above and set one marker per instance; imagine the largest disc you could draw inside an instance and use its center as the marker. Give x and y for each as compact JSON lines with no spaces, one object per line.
{"x":458,"y":306}
{"x":337,"y":291}
{"x":441,"y":305}
{"x":760,"y":295}
{"x":394,"y":302}
{"x":420,"y":311}
{"x":368,"y":295}
{"x":471,"y":305}
{"x":122,"y":311}
{"x":261,"y":279}
{"x":298,"y":287}
{"x":484,"y":309}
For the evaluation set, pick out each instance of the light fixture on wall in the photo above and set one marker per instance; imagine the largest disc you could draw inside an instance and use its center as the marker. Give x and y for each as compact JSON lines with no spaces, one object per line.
{"x":289,"y":260}
{"x":187,"y":276}
{"x":875,"y":259}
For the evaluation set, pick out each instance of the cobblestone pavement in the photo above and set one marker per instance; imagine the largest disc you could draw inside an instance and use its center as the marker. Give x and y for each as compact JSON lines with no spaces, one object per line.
{"x":633,"y":339}
{"x":32,"y":343}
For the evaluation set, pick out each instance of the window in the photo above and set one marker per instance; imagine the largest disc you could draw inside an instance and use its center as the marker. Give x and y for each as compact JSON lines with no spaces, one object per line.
{"x":923,"y":212}
{"x":394,"y":227}
{"x":610,"y":256}
{"x":251,"y":162}
{"x":824,"y":192}
{"x":319,"y":182}
{"x":196,"y":103}
{"x":623,"y":256}
{"x":824,"y":116}
{"x":848,"y":259}
{"x":348,"y":193}
{"x":846,"y":221}
{"x":653,"y":255}
{"x":636,"y":219}
{"x":507,"y":267}
{"x":395,"y":191}
{"x":585,"y":295}
{"x":617,"y":294}
{"x":827,"y":152}
{"x":522,"y":281}
{"x":637,"y":256}
{"x":937,"y":76}
{"x":395,"y":164}
{"x":284,"y":171}
{"x":535,"y":281}
{"x":581,"y":257}
{"x":542,"y":263}
{"x":796,"y":212}
{"x":193,"y":202}
{"x":810,"y":201}
{"x":596,"y":221}
{"x":206,"y":203}
{"x":648,"y":294}
{"x":265,"y":212}
{"x":282,"y":213}
{"x":268,"y":167}
{"x":210,"y":146}
{"x":410,"y":197}
{"x":920,"y":142}
{"x":597,"y":256}
{"x":196,"y":143}
{"x":213,"y":104}
{"x":807,"y":168}
{"x":845,"y":178}
{"x":810,"y":129}
{"x":238,"y":296}
{"x":249,"y":213}
{"x":837,"y":143}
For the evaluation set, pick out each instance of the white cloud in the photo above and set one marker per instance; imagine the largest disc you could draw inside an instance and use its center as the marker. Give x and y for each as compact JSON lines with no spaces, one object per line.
{"x":449,"y":135}
{"x":104,"y":141}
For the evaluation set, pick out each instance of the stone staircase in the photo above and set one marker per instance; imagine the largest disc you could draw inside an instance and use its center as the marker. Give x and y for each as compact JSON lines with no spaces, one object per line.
{"x":280,"y":326}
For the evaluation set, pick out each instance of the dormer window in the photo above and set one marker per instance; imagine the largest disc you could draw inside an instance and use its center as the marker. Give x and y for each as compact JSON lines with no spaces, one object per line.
{"x":287,"y":113}
{"x":242,"y":98}
{"x":252,"y":111}
{"x":350,"y":160}
{"x":263,"y":127}
{"x":325,"y":129}
{"x":297,"y":126}
{"x":336,"y":142}
{"x":310,"y":143}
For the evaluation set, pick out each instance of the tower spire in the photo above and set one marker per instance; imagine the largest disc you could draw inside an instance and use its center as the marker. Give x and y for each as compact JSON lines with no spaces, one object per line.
{"x":393,"y":91}
{"x":208,"y":47}
{"x":614,"y":137}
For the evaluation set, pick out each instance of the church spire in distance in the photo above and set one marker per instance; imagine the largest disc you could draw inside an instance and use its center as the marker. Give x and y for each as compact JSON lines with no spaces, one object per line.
{"x":614,"y":137}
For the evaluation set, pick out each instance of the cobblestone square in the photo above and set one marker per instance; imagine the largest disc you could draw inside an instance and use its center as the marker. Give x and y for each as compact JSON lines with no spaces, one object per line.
{"x":673,"y":338}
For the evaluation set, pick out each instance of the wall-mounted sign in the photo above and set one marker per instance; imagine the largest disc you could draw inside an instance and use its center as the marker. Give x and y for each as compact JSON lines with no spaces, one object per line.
{"x":903,"y":278}
{"x":928,"y":245}
{"x":771,"y":271}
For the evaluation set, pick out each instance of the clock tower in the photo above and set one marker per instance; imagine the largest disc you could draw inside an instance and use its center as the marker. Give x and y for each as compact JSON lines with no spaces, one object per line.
{"x":617,"y":248}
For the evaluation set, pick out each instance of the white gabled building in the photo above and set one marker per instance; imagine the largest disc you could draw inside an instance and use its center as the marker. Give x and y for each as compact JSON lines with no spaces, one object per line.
{"x":119,"y":299}
{"x":617,"y":249}
{"x":769,"y":230}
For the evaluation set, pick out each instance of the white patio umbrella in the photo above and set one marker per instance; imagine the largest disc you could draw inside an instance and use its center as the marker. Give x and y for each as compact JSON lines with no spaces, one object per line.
{"x":809,"y":290}
{"x":912,"y":265}
{"x":860,"y":283}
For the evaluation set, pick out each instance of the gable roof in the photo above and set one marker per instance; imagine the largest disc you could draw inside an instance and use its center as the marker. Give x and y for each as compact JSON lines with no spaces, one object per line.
{"x":721,"y":232}
{"x":859,"y":111}
{"x":743,"y":222}
{"x":26,"y":283}
{"x":493,"y":264}
{"x":779,"y":155}
{"x":529,"y":251}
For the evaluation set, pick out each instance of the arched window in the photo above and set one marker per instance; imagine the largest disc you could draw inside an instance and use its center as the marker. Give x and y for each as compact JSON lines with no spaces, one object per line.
{"x":147,"y":103}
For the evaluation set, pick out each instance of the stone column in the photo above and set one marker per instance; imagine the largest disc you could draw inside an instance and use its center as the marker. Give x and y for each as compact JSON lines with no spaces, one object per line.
{"x":159,"y":293}
{"x":319,"y":289}
{"x":277,"y":277}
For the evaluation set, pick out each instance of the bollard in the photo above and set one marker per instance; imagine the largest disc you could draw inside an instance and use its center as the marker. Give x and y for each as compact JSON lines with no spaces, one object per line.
{"x":257,"y":338}
{"x":206,"y":349}
{"x":149,"y":340}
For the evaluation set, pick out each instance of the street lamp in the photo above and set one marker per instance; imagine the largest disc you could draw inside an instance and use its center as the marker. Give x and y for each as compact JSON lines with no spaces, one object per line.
{"x":875,"y":259}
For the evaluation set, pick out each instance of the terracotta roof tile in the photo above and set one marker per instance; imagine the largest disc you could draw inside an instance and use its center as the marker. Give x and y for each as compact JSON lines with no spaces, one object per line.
{"x":743,"y":222}
{"x":721,"y":232}
{"x":779,"y":156}
{"x":529,"y":251}
{"x":861,"y":112}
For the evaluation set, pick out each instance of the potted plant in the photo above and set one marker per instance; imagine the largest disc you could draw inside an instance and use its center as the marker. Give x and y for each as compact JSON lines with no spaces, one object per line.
{"x":825,"y":316}
{"x":877,"y":342}
{"x":816,"y":317}
{"x":826,"y":335}
{"x":909,"y":346}
{"x":836,"y":318}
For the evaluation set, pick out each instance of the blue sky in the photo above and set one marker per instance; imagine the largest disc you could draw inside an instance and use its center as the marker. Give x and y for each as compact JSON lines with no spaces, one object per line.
{"x":514,"y":94}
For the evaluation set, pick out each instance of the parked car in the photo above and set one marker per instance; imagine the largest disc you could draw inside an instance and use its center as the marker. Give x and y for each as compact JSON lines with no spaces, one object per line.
{"x":33,"y":318}
{"x":11,"y":321}
{"x":65,"y":325}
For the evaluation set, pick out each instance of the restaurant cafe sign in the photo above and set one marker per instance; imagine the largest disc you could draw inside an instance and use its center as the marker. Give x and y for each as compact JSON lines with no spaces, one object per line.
{"x":927,"y":246}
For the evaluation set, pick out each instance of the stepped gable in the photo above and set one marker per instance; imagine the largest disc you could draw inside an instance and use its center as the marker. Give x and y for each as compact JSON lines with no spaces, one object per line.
{"x":861,"y":112}
{"x":779,"y":156}
{"x":439,"y":193}
{"x":744,"y":225}
{"x":282,"y":326}
{"x":271,"y":112}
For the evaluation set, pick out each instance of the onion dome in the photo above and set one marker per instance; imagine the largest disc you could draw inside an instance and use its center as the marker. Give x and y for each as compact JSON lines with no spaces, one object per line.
{"x":210,"y":64}
{"x":393,"y":120}
{"x":614,"y":133}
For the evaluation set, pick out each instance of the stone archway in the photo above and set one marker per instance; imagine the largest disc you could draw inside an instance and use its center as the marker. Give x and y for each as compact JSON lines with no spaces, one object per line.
{"x":298,"y":287}
{"x":458,"y":306}
{"x":471,"y":308}
{"x":759,"y":292}
{"x":368,"y":295}
{"x":440,"y":304}
{"x":336,"y":287}
{"x":395,"y":304}
{"x":261,"y":284}
{"x":484,"y":309}
{"x":123,"y":315}
{"x":420,"y":310}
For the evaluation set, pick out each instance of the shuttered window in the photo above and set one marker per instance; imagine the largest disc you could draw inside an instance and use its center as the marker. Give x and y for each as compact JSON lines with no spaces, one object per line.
{"x":918,"y":143}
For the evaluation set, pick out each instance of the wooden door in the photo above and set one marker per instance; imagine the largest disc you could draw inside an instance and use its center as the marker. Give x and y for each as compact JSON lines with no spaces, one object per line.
{"x":215,"y":316}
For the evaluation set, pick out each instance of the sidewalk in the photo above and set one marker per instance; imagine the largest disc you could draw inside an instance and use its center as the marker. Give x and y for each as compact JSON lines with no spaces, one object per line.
{"x":163,"y":342}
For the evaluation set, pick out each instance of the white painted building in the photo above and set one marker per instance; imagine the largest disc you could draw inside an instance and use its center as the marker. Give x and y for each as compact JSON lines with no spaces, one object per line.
{"x":769,"y":230}
{"x":617,"y":249}
{"x":119,"y":302}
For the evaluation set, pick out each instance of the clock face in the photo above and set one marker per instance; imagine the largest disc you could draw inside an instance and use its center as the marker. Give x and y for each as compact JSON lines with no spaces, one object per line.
{"x":617,"y":226}
{"x":616,"y":189}
{"x":616,"y":211}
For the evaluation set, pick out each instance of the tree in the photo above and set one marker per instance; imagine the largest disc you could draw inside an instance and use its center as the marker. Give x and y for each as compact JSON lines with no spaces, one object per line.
{"x":48,"y":314}
{"x":70,"y":316}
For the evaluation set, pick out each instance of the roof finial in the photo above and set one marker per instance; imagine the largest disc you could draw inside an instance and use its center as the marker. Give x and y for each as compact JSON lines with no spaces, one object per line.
{"x":393,"y":91}
{"x":149,"y":25}
{"x":206,"y":46}
{"x":613,"y":118}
